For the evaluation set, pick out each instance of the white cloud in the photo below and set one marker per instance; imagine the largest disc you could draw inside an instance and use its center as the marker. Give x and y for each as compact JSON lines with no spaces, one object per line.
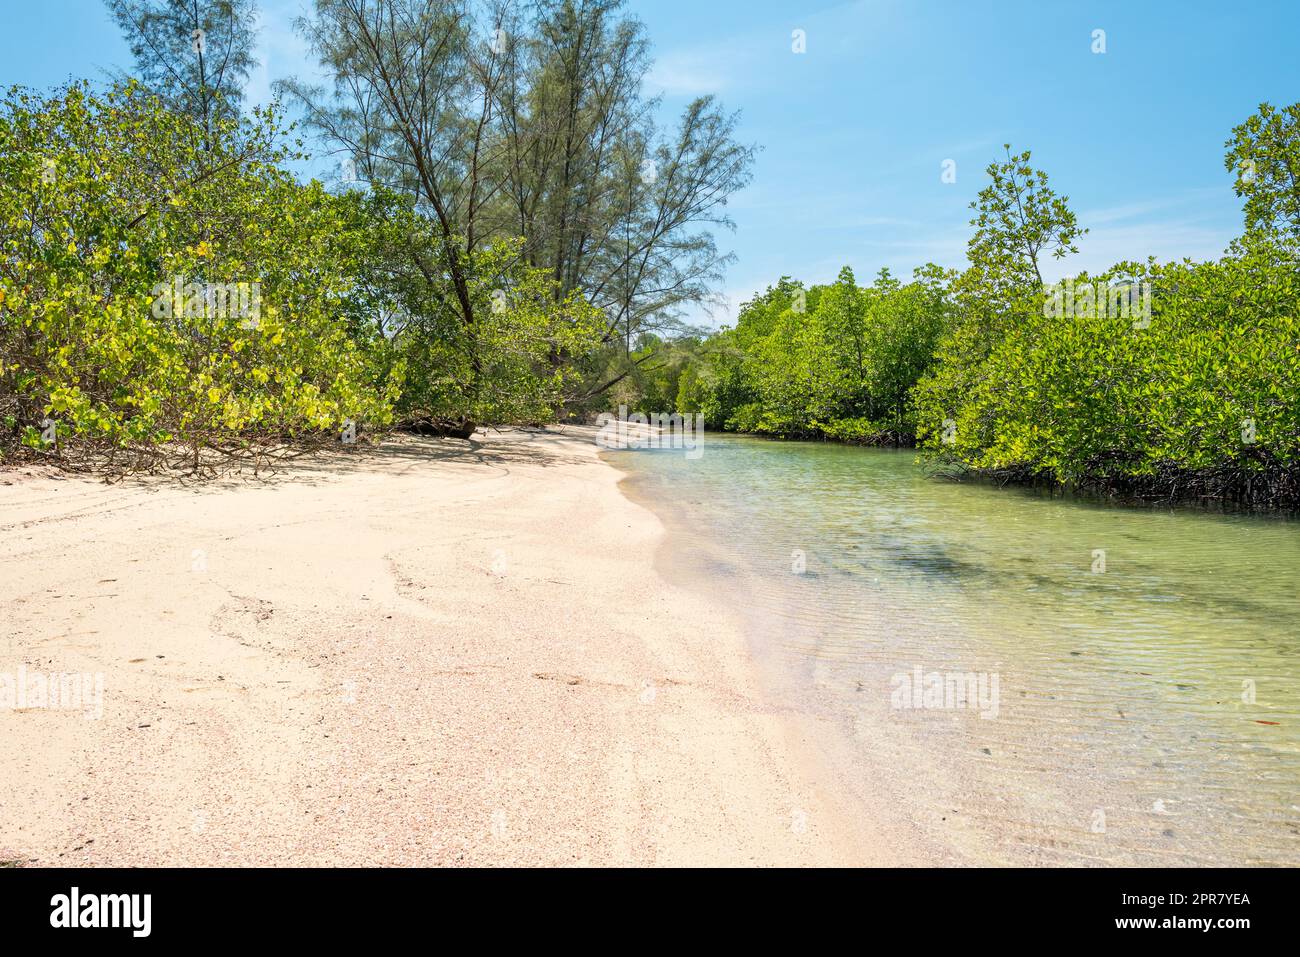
{"x":1168,"y":241}
{"x":687,"y":73}
{"x":1111,"y":214}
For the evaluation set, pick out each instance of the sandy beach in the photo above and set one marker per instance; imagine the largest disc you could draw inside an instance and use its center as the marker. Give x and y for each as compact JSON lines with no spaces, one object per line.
{"x":431,"y":653}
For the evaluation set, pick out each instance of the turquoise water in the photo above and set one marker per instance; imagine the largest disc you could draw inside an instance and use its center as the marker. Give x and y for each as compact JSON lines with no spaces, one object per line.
{"x":1146,"y":662}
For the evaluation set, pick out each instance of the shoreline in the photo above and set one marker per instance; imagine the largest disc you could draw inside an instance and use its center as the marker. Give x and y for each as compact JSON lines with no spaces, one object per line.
{"x":892,"y":571}
{"x":1172,"y":489}
{"x":430,"y":653}
{"x":880,"y":788}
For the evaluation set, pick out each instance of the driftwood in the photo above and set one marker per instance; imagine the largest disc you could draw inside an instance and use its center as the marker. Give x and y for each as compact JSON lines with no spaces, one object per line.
{"x":457,"y":429}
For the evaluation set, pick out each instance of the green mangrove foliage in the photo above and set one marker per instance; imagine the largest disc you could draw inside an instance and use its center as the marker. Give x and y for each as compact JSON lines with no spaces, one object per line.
{"x":1200,"y":397}
{"x":1173,"y":380}
{"x":511,"y":218}
{"x":834,"y":361}
{"x":168,"y":290}
{"x":160,"y":291}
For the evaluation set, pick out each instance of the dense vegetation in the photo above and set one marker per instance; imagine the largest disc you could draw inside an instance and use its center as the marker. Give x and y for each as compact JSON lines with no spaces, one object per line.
{"x":513,"y":239}
{"x":127,"y":200}
{"x":507,"y":221}
{"x":1192,"y":389}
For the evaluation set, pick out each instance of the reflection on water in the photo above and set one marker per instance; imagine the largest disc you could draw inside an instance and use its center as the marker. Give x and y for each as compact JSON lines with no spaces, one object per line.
{"x":1147,"y":661}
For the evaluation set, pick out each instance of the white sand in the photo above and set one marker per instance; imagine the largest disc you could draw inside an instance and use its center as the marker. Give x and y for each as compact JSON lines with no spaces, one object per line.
{"x":427,"y":654}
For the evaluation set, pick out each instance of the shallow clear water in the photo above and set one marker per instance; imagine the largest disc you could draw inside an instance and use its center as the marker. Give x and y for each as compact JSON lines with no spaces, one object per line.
{"x":1147,"y":661}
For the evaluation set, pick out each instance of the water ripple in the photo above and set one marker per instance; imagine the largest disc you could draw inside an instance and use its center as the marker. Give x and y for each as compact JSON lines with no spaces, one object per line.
{"x":1148,"y":661}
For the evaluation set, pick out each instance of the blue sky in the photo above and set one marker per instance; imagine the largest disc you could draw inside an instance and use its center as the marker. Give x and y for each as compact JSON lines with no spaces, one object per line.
{"x":855,"y":130}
